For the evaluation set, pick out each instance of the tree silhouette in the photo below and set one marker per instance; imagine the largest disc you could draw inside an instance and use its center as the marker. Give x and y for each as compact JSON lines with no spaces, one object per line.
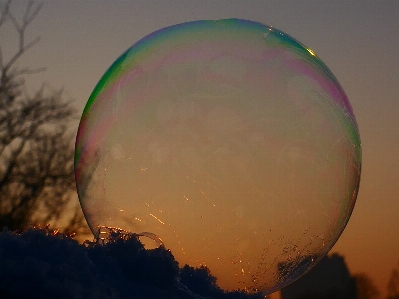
{"x":36,"y":146}
{"x":393,"y":285}
{"x":365,"y":287}
{"x":199,"y":280}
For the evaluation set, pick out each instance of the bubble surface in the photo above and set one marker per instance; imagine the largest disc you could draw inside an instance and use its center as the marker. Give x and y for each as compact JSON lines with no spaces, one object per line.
{"x":230,"y":141}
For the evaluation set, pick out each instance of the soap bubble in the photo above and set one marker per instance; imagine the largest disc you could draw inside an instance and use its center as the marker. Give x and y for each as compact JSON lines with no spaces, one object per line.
{"x":231,"y":142}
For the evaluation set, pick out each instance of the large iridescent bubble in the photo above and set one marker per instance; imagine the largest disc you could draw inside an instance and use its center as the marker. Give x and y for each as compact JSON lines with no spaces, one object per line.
{"x":230,"y":141}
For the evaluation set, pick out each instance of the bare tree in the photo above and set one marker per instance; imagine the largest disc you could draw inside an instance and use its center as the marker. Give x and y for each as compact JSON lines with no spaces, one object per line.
{"x":36,"y":146}
{"x":365,"y":287}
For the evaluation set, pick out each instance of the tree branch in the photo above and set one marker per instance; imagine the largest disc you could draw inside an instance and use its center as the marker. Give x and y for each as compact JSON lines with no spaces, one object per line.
{"x":27,"y":19}
{"x":4,"y":11}
{"x":36,"y":150}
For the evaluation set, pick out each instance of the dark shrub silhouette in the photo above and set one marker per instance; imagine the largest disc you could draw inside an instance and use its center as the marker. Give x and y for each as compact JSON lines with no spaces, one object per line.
{"x":43,"y":263}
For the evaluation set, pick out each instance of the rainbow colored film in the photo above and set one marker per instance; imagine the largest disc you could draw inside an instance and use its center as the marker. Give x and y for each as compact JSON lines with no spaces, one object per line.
{"x":230,"y":141}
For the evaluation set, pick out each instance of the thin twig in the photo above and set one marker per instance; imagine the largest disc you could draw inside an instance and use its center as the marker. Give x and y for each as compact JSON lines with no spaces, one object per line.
{"x":26,"y":20}
{"x":29,"y":18}
{"x":27,"y":71}
{"x":14,"y":21}
{"x":20,"y":52}
{"x":4,"y":11}
{"x":1,"y":59}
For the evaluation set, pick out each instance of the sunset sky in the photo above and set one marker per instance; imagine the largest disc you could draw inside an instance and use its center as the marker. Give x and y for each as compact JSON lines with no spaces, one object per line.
{"x":358,"y":41}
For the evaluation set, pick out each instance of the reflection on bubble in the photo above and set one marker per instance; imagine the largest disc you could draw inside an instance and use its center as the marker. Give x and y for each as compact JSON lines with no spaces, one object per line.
{"x":230,"y":141}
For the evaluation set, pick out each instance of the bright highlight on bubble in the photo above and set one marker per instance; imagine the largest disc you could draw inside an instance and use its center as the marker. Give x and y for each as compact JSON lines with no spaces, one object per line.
{"x":230,"y":141}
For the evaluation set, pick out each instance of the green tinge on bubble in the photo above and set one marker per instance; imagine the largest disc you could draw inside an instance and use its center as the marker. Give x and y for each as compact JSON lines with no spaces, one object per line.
{"x":230,"y":141}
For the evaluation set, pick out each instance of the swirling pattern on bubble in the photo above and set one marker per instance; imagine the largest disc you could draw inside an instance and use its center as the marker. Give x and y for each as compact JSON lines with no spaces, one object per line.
{"x":231,"y":141}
